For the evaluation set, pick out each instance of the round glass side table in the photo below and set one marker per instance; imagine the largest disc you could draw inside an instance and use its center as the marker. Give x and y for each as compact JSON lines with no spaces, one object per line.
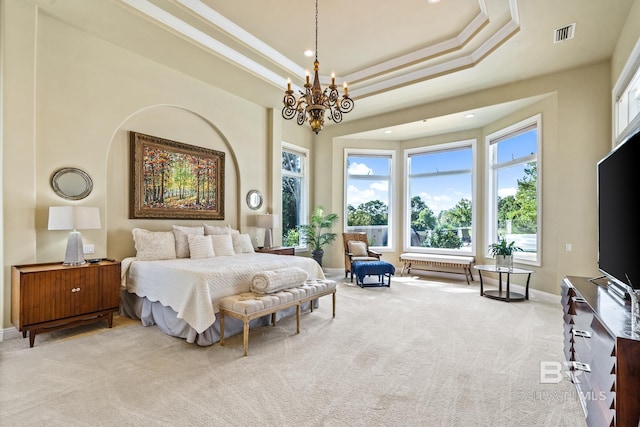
{"x":506,"y":295}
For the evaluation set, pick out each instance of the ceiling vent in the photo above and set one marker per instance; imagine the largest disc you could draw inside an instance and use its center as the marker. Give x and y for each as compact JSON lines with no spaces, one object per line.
{"x":564,"y":33}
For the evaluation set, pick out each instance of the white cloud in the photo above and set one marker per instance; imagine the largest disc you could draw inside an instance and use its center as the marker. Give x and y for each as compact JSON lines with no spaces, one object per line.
{"x":356,"y":168}
{"x":357,"y":196}
{"x":504,"y":192}
{"x":379,"y":186}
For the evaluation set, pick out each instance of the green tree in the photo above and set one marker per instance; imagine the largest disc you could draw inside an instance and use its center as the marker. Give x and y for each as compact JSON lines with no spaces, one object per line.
{"x":291,"y":194}
{"x":374,"y":212}
{"x":291,"y":238}
{"x":422,"y":217}
{"x":445,"y":236}
{"x":290,"y":203}
{"x":522,"y":209}
{"x":457,"y":216}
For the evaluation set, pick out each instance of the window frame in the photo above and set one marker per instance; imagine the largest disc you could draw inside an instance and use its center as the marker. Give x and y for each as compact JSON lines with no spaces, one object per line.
{"x":622,"y":129}
{"x":491,"y":218}
{"x":391,"y":154}
{"x":406,"y":235}
{"x":303,"y":213}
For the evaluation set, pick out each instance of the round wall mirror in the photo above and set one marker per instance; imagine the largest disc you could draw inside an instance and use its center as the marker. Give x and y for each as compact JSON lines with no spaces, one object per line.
{"x":71,"y":183}
{"x":254,"y":199}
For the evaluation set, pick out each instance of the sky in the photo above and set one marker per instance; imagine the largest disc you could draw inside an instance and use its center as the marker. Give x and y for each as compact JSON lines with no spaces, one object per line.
{"x":441,"y":191}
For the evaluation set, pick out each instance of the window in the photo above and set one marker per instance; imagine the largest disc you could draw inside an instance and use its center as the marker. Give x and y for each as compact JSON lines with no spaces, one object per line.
{"x":626,"y":103}
{"x":295,"y":191}
{"x":368,"y":195}
{"x":439,"y":189}
{"x":514,"y":188}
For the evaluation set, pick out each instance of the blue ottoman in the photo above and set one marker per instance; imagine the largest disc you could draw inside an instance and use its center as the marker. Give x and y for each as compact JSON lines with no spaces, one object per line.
{"x":382,"y":269}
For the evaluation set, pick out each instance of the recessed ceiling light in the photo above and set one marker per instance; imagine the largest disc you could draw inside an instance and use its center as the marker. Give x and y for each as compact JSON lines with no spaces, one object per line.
{"x":433,"y":1}
{"x":469,"y":115}
{"x":388,"y":131}
{"x":308,"y":53}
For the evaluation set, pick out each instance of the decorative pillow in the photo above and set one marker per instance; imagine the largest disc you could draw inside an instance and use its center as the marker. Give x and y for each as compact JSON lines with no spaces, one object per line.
{"x":222,"y":244}
{"x":154,"y":245}
{"x":242,"y":244}
{"x":358,"y":248}
{"x":200,"y":246}
{"x":210,"y":230}
{"x":182,"y":243}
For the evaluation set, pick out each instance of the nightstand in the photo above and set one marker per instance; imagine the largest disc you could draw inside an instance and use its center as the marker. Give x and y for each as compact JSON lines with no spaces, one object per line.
{"x":52,"y":296}
{"x":278,"y":250}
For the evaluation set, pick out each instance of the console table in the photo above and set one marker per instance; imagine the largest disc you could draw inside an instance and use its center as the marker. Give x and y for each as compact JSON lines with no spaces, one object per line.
{"x":507,"y":296}
{"x":602,"y":354}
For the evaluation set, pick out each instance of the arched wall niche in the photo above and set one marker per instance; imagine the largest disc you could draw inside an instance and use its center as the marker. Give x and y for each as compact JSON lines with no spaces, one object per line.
{"x":172,"y":123}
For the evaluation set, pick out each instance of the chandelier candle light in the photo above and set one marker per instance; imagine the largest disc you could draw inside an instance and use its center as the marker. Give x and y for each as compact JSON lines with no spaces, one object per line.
{"x":313,"y":102}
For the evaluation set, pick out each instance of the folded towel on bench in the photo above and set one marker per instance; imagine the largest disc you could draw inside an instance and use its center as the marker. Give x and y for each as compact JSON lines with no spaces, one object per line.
{"x":270,"y":281}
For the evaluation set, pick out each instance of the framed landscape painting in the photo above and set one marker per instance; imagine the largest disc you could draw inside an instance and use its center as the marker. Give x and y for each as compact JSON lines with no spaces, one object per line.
{"x":172,"y":180}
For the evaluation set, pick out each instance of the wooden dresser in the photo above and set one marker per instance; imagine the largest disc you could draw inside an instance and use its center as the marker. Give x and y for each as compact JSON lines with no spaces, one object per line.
{"x":47,"y":297}
{"x":602,"y":356}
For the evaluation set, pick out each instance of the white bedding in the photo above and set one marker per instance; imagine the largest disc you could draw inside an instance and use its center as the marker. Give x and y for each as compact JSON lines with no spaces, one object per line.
{"x":192,"y":287}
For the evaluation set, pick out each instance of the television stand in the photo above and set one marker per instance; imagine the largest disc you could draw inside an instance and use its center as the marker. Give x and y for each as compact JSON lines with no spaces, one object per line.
{"x":617,"y":289}
{"x":602,"y":354}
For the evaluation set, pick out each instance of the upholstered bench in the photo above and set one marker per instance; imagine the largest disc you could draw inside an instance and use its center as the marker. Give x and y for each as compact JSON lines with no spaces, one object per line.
{"x":382,"y":269}
{"x":251,"y":305}
{"x":435,"y":262}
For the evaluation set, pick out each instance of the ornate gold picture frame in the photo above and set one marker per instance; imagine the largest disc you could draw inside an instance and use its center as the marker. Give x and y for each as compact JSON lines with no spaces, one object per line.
{"x":172,"y":180}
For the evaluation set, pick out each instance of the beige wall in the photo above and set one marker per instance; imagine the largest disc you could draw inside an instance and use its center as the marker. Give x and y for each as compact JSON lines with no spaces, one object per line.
{"x":69,"y":99}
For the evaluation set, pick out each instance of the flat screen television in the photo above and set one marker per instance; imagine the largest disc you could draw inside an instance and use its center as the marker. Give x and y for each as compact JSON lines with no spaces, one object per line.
{"x":618,"y":177}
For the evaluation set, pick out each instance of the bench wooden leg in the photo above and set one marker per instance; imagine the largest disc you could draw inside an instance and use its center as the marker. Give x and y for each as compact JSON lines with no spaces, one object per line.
{"x":467,"y":273}
{"x":298,"y":318}
{"x":334,"y":304}
{"x":221,"y":328}
{"x":245,"y":338}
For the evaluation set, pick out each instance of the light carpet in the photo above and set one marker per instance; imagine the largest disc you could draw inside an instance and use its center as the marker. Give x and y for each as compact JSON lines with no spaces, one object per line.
{"x":420,"y":353}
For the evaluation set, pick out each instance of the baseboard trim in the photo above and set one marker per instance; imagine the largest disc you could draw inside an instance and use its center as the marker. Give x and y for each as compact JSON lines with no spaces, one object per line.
{"x":9,"y":334}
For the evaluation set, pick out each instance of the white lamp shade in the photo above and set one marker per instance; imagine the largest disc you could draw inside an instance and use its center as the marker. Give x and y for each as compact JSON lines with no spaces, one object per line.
{"x":73,"y":218}
{"x":267,"y":220}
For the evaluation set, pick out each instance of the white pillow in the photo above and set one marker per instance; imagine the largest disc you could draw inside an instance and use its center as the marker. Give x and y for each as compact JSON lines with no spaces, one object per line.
{"x":358,"y":248}
{"x":154,"y":245}
{"x":242,"y":244}
{"x":200,"y":246}
{"x":210,"y":230}
{"x":182,"y":244}
{"x":222,"y":244}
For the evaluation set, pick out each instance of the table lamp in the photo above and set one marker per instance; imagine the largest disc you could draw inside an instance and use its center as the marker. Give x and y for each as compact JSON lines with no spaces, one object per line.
{"x":267,"y":221}
{"x":74,"y":218}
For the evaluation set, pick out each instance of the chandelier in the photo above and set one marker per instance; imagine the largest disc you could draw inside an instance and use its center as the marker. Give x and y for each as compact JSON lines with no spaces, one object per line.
{"x":313,"y":102}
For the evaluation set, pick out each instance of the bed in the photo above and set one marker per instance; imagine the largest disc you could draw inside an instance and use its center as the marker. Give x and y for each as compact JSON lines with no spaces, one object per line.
{"x":180,"y":294}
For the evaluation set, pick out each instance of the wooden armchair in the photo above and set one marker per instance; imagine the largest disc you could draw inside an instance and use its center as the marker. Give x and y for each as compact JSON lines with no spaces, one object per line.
{"x":357,"y":251}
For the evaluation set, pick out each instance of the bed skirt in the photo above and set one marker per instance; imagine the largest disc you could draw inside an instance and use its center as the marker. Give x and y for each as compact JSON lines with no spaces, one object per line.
{"x":154,"y":313}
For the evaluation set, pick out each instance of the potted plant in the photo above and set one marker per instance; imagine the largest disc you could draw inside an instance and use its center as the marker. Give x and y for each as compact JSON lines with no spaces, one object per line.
{"x":503,"y":252}
{"x":314,"y":235}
